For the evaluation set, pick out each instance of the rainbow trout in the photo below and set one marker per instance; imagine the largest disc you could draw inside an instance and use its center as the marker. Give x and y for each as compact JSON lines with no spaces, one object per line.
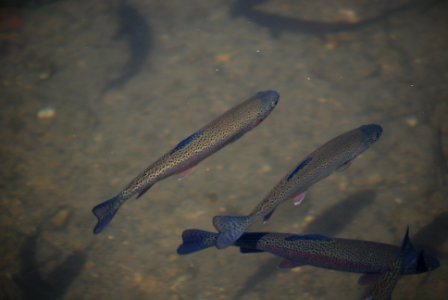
{"x":338,"y":153}
{"x":225,"y":129}
{"x":338,"y":254}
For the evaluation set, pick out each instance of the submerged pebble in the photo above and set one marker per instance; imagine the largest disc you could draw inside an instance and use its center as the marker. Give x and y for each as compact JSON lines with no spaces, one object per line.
{"x":264,"y":169}
{"x":46,"y":113}
{"x":60,"y":218}
{"x":412,"y":122}
{"x":308,"y":220}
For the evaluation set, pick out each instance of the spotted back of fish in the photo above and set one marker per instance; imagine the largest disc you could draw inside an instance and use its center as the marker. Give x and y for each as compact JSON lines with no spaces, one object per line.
{"x":190,"y":151}
{"x":335,"y":154}
{"x":225,"y":129}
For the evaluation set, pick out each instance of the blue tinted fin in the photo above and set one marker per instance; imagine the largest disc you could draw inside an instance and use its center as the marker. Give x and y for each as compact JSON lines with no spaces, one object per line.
{"x":105,"y":212}
{"x":187,"y":141}
{"x":309,"y":237}
{"x":407,"y":251}
{"x":299,"y":167}
{"x":194,"y":240}
{"x":421,"y":265}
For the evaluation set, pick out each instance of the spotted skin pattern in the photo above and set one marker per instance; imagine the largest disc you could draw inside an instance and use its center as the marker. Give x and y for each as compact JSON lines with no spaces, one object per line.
{"x":338,"y":254}
{"x":382,"y":289}
{"x":335,"y":154}
{"x":225,"y":129}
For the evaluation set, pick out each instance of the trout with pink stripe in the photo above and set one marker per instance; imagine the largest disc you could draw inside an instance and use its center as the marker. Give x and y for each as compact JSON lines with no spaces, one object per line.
{"x":347,"y":255}
{"x":338,"y":153}
{"x":225,"y":129}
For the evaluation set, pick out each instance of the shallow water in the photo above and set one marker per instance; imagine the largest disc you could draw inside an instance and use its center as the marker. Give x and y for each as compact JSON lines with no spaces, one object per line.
{"x":66,"y":147}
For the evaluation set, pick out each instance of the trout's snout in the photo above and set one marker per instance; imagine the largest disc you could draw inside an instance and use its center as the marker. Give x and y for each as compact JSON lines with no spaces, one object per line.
{"x":373,"y":131}
{"x":269,"y":98}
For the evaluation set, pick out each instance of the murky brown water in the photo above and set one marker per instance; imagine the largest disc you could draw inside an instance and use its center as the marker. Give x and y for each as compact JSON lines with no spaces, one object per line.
{"x":83,"y":148}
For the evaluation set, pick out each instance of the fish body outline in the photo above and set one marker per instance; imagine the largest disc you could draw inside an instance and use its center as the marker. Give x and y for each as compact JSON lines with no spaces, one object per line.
{"x":338,"y":153}
{"x":220,"y":132}
{"x":339,"y":254}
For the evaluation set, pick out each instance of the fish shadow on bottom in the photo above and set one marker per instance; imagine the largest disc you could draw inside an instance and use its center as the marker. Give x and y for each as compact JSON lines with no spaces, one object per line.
{"x":31,"y":280}
{"x":433,"y":235}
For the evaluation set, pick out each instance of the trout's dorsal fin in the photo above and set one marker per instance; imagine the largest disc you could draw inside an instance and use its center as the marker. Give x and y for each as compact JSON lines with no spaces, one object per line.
{"x":298,"y":168}
{"x":185,"y":142}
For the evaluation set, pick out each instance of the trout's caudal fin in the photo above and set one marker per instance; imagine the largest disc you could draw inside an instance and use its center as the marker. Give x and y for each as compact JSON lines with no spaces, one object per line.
{"x":230,"y":228}
{"x":105,"y":212}
{"x":194,"y":240}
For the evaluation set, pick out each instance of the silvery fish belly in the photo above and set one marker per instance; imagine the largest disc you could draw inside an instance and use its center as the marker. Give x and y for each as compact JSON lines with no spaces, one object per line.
{"x":225,"y":129}
{"x":338,"y":153}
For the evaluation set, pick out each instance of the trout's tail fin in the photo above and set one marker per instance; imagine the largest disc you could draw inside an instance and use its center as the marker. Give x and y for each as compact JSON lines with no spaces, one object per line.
{"x":106,"y":211}
{"x":230,"y":228}
{"x":194,"y":240}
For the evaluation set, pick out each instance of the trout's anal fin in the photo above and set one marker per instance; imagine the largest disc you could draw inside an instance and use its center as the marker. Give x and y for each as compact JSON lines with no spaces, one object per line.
{"x":297,"y":199}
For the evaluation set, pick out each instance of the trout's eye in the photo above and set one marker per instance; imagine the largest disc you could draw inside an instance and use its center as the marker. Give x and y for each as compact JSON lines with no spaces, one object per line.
{"x":274,"y":102}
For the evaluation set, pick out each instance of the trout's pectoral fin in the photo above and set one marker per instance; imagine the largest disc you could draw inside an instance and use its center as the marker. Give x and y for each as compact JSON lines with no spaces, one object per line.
{"x":369,"y":278}
{"x":345,"y":165}
{"x":297,"y":199}
{"x":289,"y":264}
{"x":268,"y":216}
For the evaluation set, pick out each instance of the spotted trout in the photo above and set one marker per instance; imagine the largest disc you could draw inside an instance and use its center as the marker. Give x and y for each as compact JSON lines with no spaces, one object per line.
{"x":338,"y":153}
{"x":225,"y":129}
{"x":346,"y":255}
